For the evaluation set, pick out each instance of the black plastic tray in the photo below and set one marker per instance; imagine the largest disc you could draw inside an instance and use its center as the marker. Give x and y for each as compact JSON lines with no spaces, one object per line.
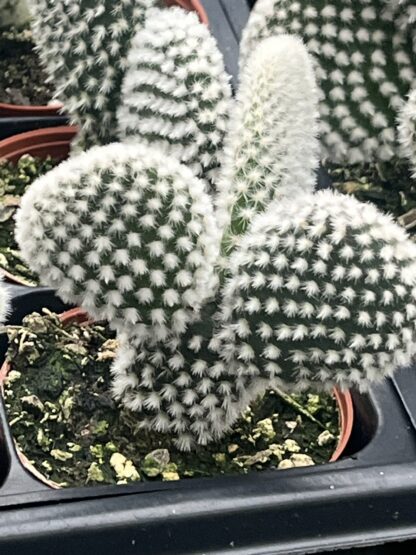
{"x":14,"y":125}
{"x":226,"y":21}
{"x":364,"y":499}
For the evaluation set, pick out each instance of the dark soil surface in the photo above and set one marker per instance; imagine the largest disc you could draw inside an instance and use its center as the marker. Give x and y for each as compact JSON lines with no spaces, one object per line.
{"x":65,"y":421}
{"x":22,"y":79}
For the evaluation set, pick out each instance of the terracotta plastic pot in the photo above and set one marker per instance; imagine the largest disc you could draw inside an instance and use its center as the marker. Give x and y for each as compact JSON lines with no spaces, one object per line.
{"x":343,"y":398}
{"x":15,"y":111}
{"x":52,"y":141}
{"x":12,"y":110}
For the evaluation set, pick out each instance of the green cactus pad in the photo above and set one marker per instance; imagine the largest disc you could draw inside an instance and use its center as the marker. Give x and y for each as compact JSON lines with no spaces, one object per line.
{"x":176,"y":94}
{"x":322,"y":293}
{"x":128,"y":235}
{"x":364,"y":51}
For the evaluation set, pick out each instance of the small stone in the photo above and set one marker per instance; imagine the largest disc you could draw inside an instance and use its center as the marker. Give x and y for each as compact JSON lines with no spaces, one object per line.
{"x":60,"y":455}
{"x":124,"y":468}
{"x":301,"y":460}
{"x":13,"y":375}
{"x":232,"y":448}
{"x":264,"y":428}
{"x":219,"y":458}
{"x":171,"y":473}
{"x":94,"y":473}
{"x":277,"y":450}
{"x":42,"y":439}
{"x":291,"y":445}
{"x":285,"y":463}
{"x":73,"y":447}
{"x":33,"y":401}
{"x":46,"y":465}
{"x":259,"y":458}
{"x":156,"y":462}
{"x":291,"y":425}
{"x":325,"y":438}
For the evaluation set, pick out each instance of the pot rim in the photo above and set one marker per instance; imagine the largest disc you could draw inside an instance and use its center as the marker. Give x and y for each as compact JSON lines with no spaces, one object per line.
{"x":343,"y":399}
{"x":29,"y":110}
{"x":30,"y":142}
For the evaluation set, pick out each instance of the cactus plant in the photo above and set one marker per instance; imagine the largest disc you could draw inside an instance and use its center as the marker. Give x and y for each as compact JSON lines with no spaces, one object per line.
{"x":364,"y":54}
{"x":13,"y":12}
{"x":83,"y":46}
{"x":316,"y":290}
{"x":176,"y":93}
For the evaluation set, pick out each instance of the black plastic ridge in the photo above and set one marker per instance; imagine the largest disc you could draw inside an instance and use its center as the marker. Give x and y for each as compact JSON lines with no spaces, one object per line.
{"x":237,"y":13}
{"x":10,"y":126}
{"x":405,"y":383}
{"x":293,"y":513}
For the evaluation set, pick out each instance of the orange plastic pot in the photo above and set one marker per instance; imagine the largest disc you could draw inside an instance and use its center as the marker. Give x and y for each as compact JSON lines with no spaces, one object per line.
{"x":77,"y":315}
{"x":12,"y":110}
{"x":53,"y":141}
{"x":15,"y":111}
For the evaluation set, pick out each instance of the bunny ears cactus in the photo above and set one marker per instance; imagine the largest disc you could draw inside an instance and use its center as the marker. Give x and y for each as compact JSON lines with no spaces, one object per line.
{"x":313,"y":290}
{"x":176,"y":93}
{"x":128,"y":235}
{"x":83,"y":46}
{"x":136,"y":72}
{"x":271,"y":150}
{"x":364,"y":54}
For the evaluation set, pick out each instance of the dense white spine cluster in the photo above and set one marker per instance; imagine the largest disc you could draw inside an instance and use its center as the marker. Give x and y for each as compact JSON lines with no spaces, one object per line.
{"x":13,"y":12}
{"x":322,"y":292}
{"x":407,"y":130}
{"x":176,"y":93}
{"x":182,"y":387}
{"x":405,"y":11}
{"x":364,"y":55}
{"x":272,"y":150}
{"x":126,"y":234}
{"x":83,"y":46}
